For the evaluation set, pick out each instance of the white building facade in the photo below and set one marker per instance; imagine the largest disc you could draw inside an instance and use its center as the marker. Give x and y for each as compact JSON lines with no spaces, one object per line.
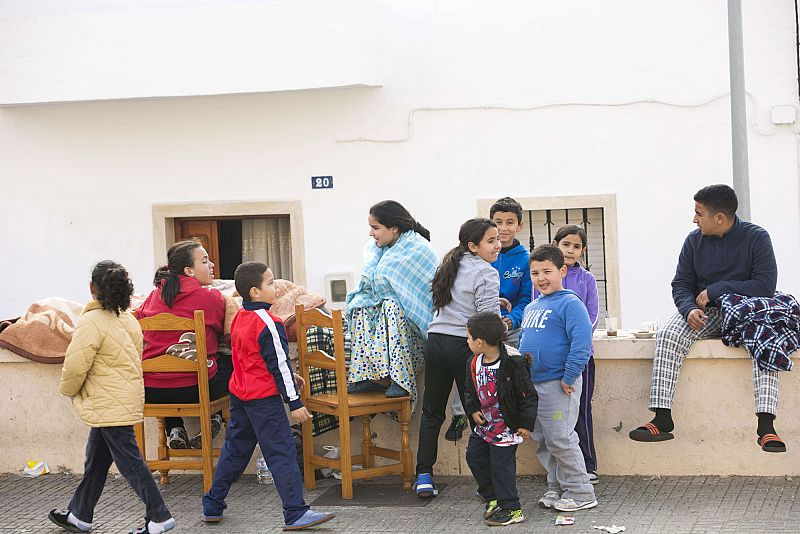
{"x":116,"y":124}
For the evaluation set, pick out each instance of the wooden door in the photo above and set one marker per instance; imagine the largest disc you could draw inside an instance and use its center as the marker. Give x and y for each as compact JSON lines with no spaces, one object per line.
{"x":203,"y":231}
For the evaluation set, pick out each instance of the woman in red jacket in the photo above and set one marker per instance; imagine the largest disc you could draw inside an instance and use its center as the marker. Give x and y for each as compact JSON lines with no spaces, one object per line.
{"x":180,"y":291}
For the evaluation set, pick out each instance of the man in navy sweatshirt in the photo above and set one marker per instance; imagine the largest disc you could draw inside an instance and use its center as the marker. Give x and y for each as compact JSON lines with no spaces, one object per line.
{"x":724,"y":255}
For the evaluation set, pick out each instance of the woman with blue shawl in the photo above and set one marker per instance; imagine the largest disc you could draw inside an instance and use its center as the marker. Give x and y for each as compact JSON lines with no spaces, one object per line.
{"x":389,"y":313}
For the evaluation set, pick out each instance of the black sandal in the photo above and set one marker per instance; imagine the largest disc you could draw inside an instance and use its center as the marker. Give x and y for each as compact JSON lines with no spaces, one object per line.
{"x":771,"y":443}
{"x":649,"y":433}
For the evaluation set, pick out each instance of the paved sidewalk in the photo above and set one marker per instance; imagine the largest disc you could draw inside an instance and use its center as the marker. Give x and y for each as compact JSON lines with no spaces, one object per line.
{"x":642,"y":504}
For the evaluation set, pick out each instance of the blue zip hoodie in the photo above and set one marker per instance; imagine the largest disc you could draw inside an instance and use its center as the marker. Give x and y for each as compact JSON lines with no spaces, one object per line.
{"x":557,"y":333}
{"x":513,"y":266}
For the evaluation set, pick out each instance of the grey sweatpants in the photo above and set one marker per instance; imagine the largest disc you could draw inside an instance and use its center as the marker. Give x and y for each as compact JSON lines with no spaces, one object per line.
{"x":557,"y":442}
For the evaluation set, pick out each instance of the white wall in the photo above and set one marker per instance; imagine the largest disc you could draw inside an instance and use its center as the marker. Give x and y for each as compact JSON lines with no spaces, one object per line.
{"x":273,"y":46}
{"x":79,"y":179}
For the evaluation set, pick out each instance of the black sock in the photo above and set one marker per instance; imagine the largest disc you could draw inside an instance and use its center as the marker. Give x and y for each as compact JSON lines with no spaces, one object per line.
{"x":765,"y":423}
{"x":663,"y":420}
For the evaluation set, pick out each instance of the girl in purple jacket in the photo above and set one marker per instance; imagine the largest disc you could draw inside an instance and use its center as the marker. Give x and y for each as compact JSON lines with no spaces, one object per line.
{"x":571,"y":239}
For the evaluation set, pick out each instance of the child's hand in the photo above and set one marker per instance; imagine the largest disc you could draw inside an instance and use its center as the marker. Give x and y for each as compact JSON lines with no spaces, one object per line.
{"x":525,"y":433}
{"x":478,"y":418}
{"x":300,"y":415}
{"x":566,"y":388}
{"x":299,"y":380}
{"x":508,"y":323}
{"x":505,"y":303}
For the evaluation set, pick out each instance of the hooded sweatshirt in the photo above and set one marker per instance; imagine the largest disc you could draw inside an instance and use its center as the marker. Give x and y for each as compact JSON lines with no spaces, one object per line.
{"x":513,"y":266}
{"x":583,"y":283}
{"x":192,"y":296}
{"x":557,"y":333}
{"x":475,"y":289}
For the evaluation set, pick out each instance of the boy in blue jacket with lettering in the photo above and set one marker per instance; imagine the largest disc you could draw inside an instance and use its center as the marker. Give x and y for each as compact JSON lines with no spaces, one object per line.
{"x":261,"y":382}
{"x":557,"y":333}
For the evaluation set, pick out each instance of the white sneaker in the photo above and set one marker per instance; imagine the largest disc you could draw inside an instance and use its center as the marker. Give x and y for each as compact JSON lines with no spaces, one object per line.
{"x":549,"y":498}
{"x":593,"y":478}
{"x":571,"y":505}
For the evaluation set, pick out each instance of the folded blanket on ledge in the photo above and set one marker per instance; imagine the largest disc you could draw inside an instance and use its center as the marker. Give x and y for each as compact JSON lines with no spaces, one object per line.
{"x":44,"y":332}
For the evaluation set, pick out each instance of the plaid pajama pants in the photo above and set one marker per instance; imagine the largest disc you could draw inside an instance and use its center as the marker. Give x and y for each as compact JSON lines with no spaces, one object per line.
{"x":673,"y":342}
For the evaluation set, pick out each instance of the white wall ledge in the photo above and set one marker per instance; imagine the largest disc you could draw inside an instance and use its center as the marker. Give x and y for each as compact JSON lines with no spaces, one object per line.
{"x":622,"y":347}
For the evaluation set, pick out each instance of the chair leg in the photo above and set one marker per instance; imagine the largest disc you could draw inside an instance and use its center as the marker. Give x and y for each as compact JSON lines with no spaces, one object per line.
{"x":206,"y":452}
{"x":138,"y":429}
{"x":345,"y":457}
{"x":366,"y":442}
{"x":163,"y":450}
{"x":405,"y":451}
{"x":308,"y":448}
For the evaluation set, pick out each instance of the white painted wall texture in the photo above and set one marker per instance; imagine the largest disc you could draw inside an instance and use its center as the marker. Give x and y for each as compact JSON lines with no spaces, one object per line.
{"x":635,"y":104}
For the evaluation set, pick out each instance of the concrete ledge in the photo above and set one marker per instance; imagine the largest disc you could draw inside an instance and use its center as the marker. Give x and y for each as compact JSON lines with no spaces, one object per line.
{"x":713,"y":413}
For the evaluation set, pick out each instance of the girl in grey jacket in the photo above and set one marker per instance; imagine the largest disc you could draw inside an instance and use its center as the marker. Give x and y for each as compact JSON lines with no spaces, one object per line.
{"x":465,"y":284}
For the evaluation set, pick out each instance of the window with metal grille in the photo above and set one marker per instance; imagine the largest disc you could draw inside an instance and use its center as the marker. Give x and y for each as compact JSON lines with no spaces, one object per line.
{"x":540,"y":226}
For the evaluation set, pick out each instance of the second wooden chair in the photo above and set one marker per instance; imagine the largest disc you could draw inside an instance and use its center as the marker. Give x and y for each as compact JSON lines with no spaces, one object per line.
{"x":344,"y":406}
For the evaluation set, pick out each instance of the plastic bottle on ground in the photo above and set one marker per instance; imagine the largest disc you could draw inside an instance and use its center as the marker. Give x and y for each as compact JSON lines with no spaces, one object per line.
{"x":262,"y":472}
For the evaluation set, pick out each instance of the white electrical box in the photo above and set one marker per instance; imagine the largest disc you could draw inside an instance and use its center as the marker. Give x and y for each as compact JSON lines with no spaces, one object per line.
{"x":337,"y":285}
{"x":783,"y":114}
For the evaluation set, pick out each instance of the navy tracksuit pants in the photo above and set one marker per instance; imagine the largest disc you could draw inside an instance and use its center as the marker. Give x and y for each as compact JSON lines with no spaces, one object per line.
{"x":584,"y":426}
{"x":261,"y":421}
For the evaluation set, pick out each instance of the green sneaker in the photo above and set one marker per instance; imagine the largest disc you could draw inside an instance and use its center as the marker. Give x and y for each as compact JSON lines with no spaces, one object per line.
{"x":502,"y":518}
{"x":456,"y":429}
{"x":491,"y":508}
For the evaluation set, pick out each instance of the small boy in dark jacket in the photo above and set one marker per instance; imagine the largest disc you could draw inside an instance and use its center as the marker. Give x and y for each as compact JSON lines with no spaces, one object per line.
{"x":502,"y":401}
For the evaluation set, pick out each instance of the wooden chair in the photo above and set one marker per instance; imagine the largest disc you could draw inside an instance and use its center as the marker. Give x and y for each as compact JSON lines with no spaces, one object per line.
{"x":344,"y":405}
{"x":177,"y":458}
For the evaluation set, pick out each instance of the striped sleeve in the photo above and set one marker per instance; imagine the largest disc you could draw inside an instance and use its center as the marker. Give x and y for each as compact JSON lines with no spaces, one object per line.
{"x":275,"y":352}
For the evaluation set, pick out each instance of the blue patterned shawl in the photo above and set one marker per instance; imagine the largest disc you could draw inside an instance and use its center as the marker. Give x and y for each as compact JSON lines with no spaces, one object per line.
{"x":402,"y":273}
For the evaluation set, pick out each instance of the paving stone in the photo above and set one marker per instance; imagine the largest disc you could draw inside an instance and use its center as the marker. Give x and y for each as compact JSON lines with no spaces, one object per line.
{"x":642,"y":504}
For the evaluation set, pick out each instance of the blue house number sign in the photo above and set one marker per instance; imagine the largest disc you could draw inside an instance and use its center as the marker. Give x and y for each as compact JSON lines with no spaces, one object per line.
{"x":322,"y":182}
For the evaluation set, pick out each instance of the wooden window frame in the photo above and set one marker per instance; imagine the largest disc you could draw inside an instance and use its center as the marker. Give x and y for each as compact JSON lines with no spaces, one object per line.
{"x":165,"y":214}
{"x":611,"y":238}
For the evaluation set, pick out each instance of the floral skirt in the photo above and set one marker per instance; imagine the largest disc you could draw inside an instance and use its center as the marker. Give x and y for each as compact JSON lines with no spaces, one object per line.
{"x":385,"y":345}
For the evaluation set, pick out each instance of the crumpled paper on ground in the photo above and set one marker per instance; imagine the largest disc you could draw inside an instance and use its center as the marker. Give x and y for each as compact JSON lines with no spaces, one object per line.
{"x":613,"y":529}
{"x":34,"y":469}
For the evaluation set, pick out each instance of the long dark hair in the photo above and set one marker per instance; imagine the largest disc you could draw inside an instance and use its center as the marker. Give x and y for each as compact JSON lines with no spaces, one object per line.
{"x":391,"y":213}
{"x":112,"y":286}
{"x":471,"y":231}
{"x":179,"y":256}
{"x":570,"y":229}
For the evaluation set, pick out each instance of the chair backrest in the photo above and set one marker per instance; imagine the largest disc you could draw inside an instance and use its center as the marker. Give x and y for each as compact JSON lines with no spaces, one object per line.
{"x":305,"y":319}
{"x":167,"y":363}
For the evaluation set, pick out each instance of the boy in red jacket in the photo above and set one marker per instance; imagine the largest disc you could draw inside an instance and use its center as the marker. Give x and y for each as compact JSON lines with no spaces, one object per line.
{"x":262,"y":381}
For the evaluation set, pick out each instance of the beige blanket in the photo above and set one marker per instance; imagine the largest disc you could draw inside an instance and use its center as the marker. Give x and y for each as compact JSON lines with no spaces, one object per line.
{"x":44,"y":332}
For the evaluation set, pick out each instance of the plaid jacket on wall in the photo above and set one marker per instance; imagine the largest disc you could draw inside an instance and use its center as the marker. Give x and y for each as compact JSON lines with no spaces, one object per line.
{"x":768,"y":327}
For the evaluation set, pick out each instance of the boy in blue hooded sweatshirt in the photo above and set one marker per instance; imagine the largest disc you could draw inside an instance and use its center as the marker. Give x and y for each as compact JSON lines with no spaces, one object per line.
{"x":516,"y":289}
{"x":557,"y":333}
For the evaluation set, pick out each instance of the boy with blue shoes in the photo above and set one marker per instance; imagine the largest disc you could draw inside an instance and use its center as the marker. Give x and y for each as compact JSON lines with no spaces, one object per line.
{"x":262,"y":380}
{"x":557,"y":333}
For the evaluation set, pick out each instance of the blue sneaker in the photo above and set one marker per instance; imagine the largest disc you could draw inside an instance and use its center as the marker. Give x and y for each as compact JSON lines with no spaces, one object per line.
{"x":364,"y":386}
{"x":425,"y":487}
{"x":309,"y":519}
{"x":396,"y":391}
{"x":211,"y":518}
